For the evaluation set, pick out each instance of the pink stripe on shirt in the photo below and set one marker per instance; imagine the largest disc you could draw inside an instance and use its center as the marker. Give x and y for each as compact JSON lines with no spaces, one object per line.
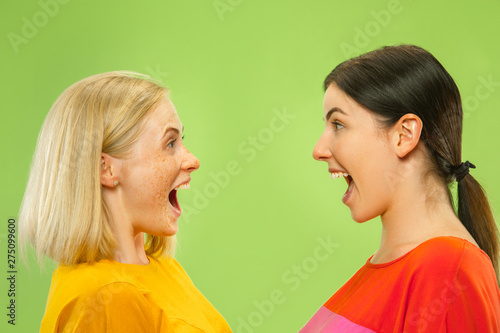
{"x":325,"y":321}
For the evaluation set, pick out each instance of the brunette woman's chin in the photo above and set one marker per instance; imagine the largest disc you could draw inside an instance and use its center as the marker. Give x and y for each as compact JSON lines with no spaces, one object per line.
{"x":362,"y":216}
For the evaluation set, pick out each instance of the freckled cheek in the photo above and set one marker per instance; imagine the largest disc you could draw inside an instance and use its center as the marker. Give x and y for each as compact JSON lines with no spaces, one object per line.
{"x":158,"y":180}
{"x":162,"y":182}
{"x":157,"y":186}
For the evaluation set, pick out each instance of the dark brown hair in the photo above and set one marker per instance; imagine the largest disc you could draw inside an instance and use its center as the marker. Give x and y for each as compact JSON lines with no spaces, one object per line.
{"x":395,"y":80}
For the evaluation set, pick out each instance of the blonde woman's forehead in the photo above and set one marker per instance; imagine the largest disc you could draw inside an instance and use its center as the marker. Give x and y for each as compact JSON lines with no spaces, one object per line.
{"x":166,"y":116}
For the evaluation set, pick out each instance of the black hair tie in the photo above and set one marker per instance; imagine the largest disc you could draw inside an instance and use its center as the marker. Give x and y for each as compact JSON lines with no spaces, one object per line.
{"x":462,"y":170}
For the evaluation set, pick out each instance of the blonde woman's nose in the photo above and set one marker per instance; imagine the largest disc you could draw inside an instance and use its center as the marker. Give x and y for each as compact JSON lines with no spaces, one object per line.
{"x":191,"y":163}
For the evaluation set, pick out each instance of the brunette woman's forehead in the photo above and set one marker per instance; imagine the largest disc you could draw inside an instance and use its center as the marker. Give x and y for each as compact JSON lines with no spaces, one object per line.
{"x":335,"y":102}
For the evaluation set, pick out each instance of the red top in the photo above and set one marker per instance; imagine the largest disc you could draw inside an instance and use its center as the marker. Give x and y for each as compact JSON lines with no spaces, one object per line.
{"x":445,"y":284}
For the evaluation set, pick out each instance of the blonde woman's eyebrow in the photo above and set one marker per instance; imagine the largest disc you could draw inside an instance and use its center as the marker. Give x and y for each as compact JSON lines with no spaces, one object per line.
{"x":332,"y":110}
{"x":171,"y":129}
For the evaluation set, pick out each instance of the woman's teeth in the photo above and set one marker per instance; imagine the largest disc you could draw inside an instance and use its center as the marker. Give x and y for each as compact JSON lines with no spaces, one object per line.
{"x":339,"y":174}
{"x":182,"y":187}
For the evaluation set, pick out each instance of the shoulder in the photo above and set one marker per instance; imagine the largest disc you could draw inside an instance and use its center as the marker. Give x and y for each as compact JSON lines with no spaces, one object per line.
{"x":115,"y":295}
{"x":446,"y":251}
{"x":114,"y":307}
{"x":87,"y":283}
{"x":449,"y":258}
{"x":169,"y":266}
{"x":453,"y":285}
{"x":446,"y":244}
{"x":90,"y":277}
{"x":96,"y":306}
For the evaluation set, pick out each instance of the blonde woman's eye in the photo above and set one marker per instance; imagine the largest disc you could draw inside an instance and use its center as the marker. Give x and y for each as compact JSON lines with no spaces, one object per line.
{"x":171,"y":143}
{"x":336,"y":124}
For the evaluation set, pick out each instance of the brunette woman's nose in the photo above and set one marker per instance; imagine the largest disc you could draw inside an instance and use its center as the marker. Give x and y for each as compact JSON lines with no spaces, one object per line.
{"x":321,"y":151}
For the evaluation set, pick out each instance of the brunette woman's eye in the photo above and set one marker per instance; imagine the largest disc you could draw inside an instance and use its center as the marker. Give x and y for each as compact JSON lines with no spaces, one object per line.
{"x":336,"y":124}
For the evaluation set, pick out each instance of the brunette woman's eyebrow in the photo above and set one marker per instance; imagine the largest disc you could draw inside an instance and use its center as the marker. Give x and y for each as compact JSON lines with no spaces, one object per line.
{"x":332,"y":110}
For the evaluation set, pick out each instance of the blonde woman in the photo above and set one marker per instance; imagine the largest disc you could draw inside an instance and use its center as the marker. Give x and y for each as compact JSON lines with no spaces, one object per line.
{"x":101,"y":201}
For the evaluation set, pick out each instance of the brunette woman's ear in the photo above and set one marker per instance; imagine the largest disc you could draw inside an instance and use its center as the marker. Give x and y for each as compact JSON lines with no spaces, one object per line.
{"x":406,"y":134}
{"x":110,"y":169}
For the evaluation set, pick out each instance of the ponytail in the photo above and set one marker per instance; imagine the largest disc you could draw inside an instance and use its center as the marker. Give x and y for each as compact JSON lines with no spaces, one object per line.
{"x":475,"y":214}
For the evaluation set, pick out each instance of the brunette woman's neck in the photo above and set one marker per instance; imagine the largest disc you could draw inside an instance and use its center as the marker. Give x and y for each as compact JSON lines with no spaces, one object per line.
{"x":416,"y":216}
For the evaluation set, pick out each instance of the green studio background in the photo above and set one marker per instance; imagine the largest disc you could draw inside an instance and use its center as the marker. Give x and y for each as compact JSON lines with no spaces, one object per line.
{"x":264,"y":234}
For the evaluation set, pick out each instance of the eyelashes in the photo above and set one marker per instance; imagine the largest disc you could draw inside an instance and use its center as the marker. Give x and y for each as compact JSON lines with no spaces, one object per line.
{"x":171,"y":143}
{"x":336,"y":125}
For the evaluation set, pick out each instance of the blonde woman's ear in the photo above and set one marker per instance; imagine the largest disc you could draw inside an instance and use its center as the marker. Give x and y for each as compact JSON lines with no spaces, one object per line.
{"x":407,"y":134}
{"x":110,"y":167}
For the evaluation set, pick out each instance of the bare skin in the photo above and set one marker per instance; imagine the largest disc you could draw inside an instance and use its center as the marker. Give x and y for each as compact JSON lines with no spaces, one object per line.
{"x":140,"y":202}
{"x":388,"y":168}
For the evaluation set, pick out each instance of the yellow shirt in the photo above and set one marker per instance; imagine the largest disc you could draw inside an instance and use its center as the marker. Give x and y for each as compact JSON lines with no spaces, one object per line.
{"x":109,"y":296}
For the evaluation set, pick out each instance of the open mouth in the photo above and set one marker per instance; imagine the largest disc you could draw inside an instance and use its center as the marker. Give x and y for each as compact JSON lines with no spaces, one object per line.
{"x":347,"y":176}
{"x":348,"y":179}
{"x":172,"y":196}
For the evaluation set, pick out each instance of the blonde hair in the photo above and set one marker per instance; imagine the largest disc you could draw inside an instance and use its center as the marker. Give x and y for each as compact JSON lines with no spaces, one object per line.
{"x":63,"y":213}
